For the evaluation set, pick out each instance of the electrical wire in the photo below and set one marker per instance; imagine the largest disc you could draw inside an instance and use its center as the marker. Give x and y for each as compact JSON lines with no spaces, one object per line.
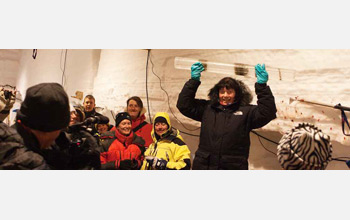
{"x":147,"y":97}
{"x":259,"y":135}
{"x":149,"y":112}
{"x":7,"y":85}
{"x":333,"y":159}
{"x":194,"y":135}
{"x":149,"y":58}
{"x":337,"y":159}
{"x":342,"y":157}
{"x":263,"y":144}
{"x":64,"y":66}
{"x":35,"y":53}
{"x":161,"y":87}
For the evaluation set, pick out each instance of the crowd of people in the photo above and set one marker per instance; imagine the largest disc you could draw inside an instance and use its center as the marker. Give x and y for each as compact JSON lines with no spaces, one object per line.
{"x":49,"y":133}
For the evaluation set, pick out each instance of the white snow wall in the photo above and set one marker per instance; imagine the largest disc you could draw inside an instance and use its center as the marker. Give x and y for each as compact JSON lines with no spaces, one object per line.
{"x":114,"y":75}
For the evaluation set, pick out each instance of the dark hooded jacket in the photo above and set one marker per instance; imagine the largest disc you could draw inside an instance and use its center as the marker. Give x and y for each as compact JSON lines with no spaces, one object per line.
{"x":19,"y":150}
{"x":14,"y":155}
{"x":92,"y":113}
{"x":224,"y":137}
{"x":45,"y":108}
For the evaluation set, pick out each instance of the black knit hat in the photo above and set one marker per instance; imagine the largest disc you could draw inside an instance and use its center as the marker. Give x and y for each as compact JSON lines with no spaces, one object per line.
{"x":45,"y":107}
{"x":121,"y":116}
{"x":162,"y":120}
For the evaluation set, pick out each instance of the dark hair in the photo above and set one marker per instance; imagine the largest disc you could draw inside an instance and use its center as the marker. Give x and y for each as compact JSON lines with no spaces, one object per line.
{"x":89,"y":97}
{"x":228,"y":83}
{"x":137,"y":100}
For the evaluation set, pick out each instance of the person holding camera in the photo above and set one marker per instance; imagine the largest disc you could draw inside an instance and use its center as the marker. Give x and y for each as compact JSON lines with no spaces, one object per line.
{"x":7,"y":99}
{"x":77,"y":115}
{"x":81,"y":139}
{"x":89,"y":106}
{"x":121,"y":149}
{"x":227,"y":118}
{"x":37,"y":141}
{"x":168,"y":151}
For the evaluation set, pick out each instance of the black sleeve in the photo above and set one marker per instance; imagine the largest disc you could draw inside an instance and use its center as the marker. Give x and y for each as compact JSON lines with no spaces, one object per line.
{"x":77,"y":151}
{"x":187,"y":104}
{"x":266,"y":110}
{"x":22,"y":159}
{"x":108,"y":166}
{"x":4,"y":114}
{"x":188,"y":164}
{"x":86,"y":155}
{"x":13,"y":154}
{"x":128,"y":165}
{"x":140,"y":142}
{"x":98,"y":114}
{"x":106,"y":139}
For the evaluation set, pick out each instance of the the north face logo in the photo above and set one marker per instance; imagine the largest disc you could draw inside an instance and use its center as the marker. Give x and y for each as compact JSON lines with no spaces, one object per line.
{"x":238,"y":113}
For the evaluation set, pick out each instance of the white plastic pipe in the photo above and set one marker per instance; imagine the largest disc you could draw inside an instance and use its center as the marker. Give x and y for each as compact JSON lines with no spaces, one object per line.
{"x":234,"y":69}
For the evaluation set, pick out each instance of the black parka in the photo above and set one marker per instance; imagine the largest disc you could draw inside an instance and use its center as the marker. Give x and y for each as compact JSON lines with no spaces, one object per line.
{"x":14,"y":155}
{"x":224,"y":137}
{"x":19,"y":150}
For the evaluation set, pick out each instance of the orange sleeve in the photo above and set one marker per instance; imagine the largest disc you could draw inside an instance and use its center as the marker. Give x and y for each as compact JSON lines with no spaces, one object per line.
{"x":104,"y":157}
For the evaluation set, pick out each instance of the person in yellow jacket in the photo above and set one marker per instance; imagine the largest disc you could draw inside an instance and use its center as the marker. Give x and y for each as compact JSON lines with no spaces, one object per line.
{"x":168,"y":150}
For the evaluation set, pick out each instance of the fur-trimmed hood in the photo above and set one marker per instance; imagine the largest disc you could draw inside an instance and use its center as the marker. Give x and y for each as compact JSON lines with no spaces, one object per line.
{"x":243,"y":93}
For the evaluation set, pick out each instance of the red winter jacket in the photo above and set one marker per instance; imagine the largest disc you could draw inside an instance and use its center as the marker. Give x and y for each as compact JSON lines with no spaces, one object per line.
{"x":144,"y":131}
{"x":117,"y":148}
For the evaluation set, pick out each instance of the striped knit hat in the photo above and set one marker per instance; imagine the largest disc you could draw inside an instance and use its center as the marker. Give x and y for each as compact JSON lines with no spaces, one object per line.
{"x":305,"y":147}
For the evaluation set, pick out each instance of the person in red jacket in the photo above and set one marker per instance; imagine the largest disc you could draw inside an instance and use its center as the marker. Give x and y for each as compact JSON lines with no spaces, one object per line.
{"x":139,"y":126}
{"x":122,"y":148}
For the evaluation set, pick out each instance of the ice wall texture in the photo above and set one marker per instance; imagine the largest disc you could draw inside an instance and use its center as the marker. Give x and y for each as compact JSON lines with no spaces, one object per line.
{"x":79,"y":67}
{"x":114,"y":75}
{"x":321,"y":76}
{"x":9,"y":66}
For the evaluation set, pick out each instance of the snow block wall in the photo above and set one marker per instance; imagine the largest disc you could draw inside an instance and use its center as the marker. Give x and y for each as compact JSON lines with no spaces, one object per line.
{"x":9,"y":66}
{"x":113,"y":76}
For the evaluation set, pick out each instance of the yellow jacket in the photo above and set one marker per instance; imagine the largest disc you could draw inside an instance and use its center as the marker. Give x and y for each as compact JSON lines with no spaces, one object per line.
{"x":170,"y":147}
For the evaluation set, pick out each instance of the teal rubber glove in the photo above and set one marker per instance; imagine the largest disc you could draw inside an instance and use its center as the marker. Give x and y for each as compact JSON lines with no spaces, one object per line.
{"x":261,"y":74}
{"x":196,"y":70}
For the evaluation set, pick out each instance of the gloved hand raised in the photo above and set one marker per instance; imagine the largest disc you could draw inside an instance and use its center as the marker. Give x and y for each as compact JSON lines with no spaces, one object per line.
{"x":261,"y":74}
{"x":196,"y":70}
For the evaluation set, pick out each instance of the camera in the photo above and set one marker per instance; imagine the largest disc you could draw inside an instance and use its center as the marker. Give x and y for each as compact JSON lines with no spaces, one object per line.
{"x":81,"y":133}
{"x":83,"y":146}
{"x":84,"y":150}
{"x":7,"y":94}
{"x":86,"y":125}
